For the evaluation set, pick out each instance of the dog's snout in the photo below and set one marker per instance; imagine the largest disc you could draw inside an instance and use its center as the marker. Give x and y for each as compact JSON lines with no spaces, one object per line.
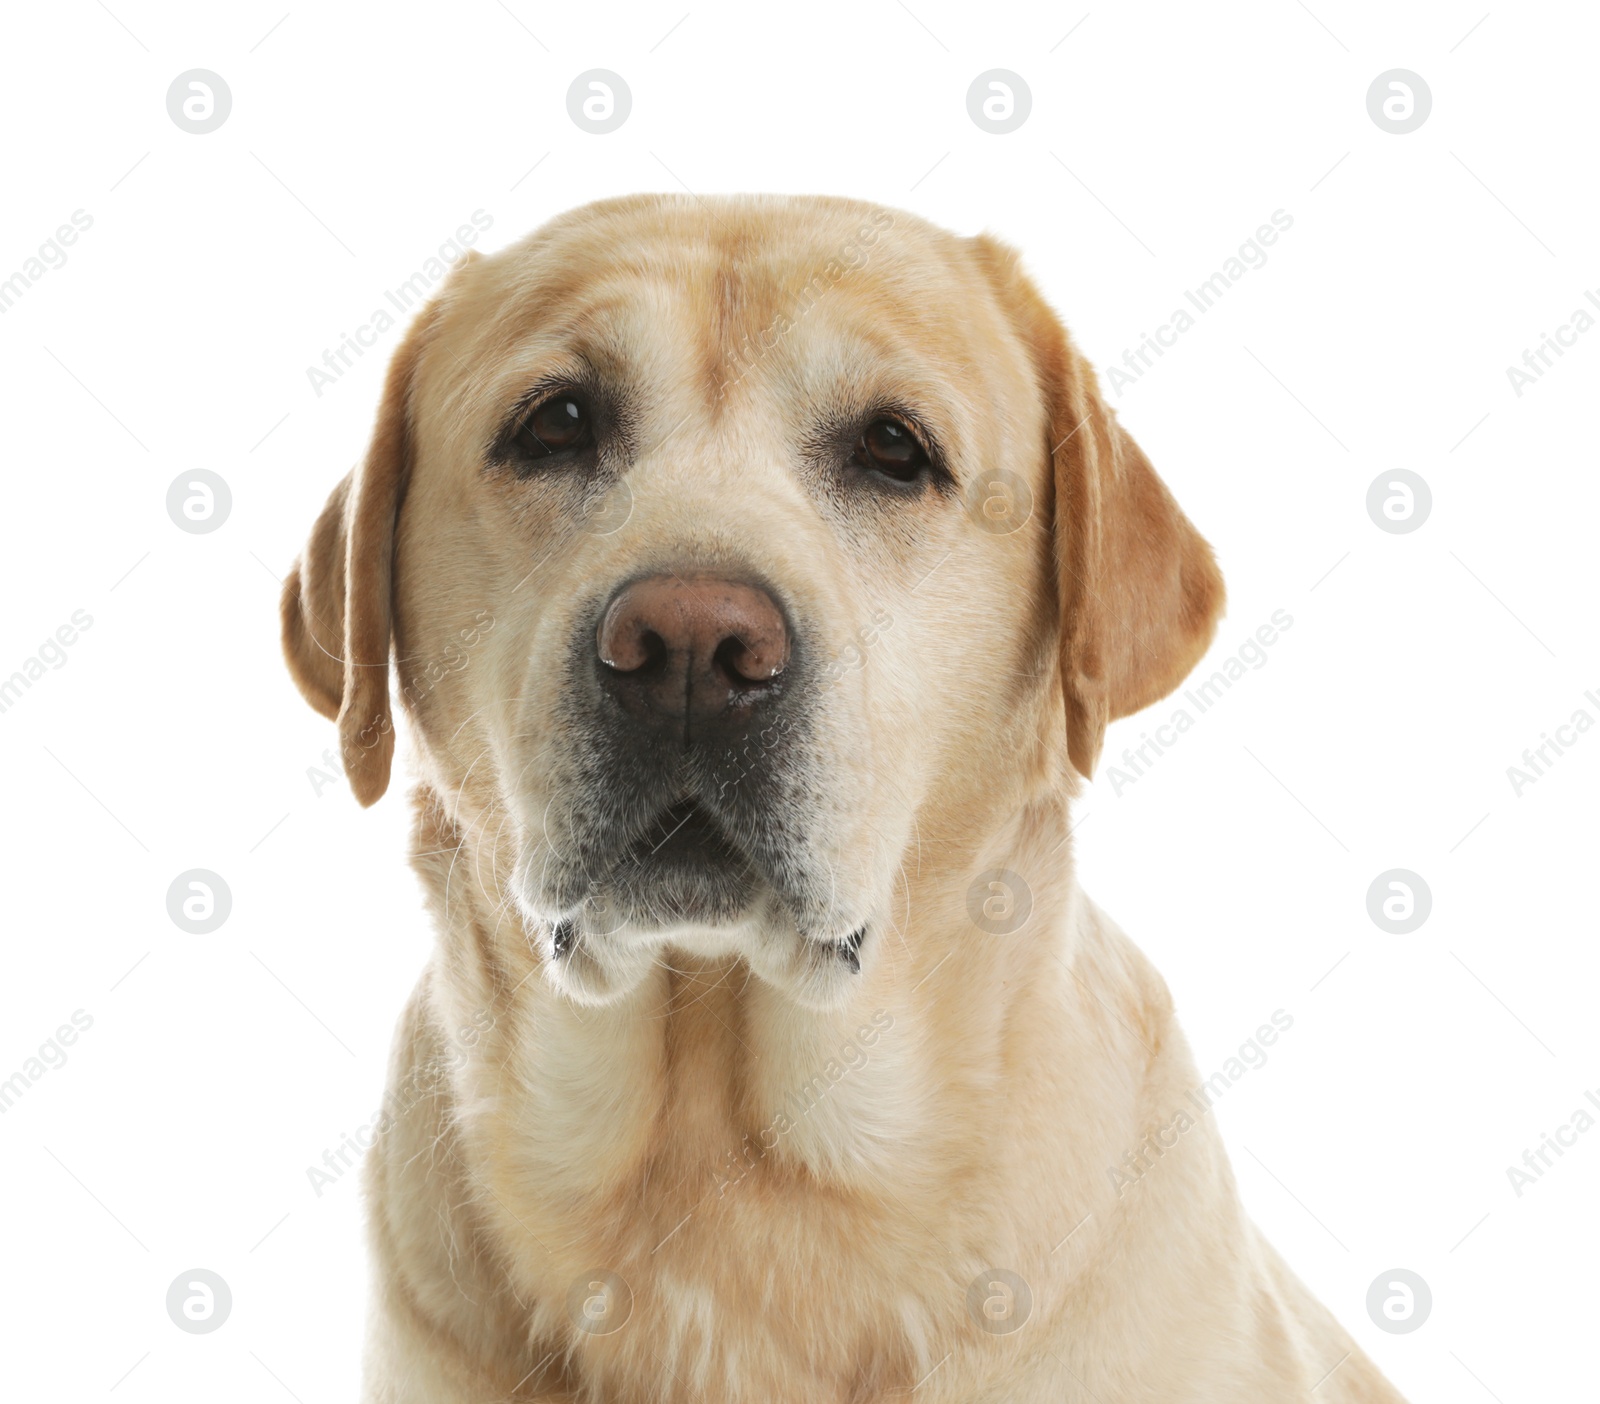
{"x":691,"y":648}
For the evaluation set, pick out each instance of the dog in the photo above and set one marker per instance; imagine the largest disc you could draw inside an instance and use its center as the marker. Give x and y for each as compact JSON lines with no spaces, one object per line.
{"x":758,"y":577}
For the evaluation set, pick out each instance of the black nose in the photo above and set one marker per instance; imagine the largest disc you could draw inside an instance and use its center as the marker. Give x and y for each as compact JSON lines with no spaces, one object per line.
{"x":692,"y":652}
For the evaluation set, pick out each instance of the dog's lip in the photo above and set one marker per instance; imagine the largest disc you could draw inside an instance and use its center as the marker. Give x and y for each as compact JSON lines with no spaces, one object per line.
{"x":678,"y":866}
{"x":685,"y":825}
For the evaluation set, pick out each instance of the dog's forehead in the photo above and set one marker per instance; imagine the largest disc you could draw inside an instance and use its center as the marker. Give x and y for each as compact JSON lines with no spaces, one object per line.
{"x":739,"y":274}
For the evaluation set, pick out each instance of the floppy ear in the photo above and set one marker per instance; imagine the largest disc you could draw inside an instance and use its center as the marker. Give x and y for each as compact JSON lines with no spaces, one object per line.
{"x":337,"y":600}
{"x":1140,"y":592}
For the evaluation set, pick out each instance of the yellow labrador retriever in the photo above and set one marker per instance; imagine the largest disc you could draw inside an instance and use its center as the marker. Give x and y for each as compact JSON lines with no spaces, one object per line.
{"x":757,"y":575}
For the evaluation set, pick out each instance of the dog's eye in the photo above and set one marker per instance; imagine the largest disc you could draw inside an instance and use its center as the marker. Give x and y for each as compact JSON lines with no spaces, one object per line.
{"x":886,"y":446}
{"x":553,"y":426}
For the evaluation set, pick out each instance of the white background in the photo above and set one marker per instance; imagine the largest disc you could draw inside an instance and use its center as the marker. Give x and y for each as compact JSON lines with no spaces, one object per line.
{"x":1377,"y":735}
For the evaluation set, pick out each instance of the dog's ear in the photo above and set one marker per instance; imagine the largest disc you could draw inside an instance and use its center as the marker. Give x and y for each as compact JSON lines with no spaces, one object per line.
{"x":337,"y":600}
{"x":1139,"y":589}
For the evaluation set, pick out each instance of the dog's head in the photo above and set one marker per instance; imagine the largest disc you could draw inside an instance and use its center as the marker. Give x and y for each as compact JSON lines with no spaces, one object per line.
{"x":718,"y":544}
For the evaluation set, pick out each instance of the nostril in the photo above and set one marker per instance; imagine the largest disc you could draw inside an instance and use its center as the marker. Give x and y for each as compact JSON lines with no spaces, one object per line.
{"x":748,"y":663}
{"x":627,"y":641}
{"x":644,"y":652}
{"x":673,"y":649}
{"x":650,"y":654}
{"x":655,"y":650}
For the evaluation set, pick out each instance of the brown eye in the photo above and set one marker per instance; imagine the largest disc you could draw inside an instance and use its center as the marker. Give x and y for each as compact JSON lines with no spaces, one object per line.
{"x":888,"y":447}
{"x":554,"y":426}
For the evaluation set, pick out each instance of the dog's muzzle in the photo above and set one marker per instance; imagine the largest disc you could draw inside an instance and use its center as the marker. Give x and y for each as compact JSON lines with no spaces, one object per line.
{"x":688,"y":801}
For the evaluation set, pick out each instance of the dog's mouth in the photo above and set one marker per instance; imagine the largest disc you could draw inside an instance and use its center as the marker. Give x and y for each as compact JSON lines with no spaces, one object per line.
{"x":684,"y":832}
{"x":705,"y":876}
{"x":712,"y":850}
{"x":682,"y":867}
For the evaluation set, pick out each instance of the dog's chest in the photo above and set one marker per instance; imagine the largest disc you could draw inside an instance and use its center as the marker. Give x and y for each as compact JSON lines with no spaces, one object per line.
{"x":754,"y":1285}
{"x":711,"y":1231}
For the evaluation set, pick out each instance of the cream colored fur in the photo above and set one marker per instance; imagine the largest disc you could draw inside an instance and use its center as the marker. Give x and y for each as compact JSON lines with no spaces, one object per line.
{"x":797,"y":1174}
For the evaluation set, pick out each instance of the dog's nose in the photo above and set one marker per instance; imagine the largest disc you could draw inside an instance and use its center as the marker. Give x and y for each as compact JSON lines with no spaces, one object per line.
{"x":690,"y":649}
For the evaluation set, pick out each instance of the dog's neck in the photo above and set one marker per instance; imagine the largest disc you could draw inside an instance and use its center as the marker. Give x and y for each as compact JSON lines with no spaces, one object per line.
{"x":705,"y":1071}
{"x":706,"y":1125}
